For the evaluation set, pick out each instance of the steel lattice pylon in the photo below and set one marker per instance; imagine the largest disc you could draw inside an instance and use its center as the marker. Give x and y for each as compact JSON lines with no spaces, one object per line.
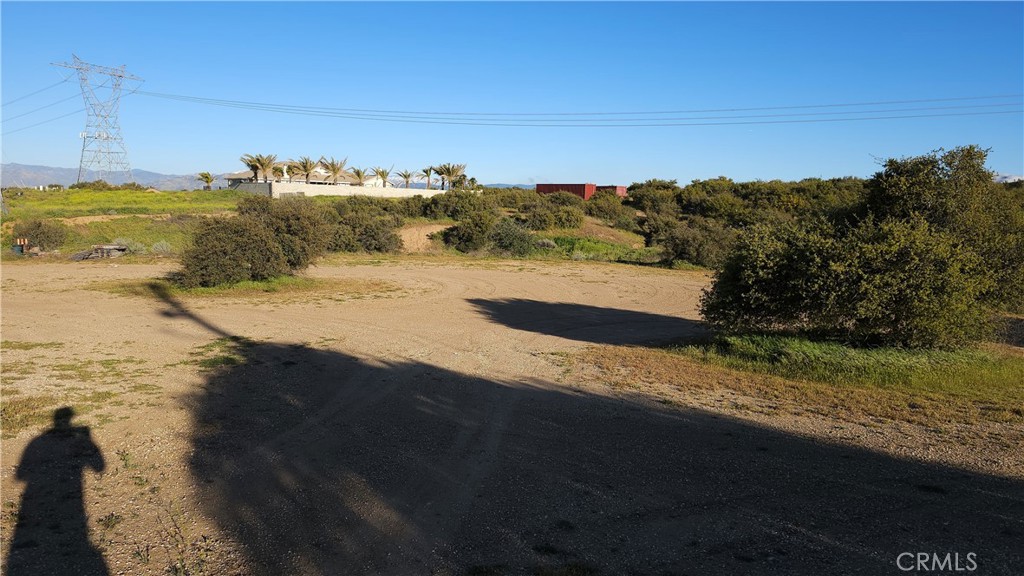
{"x":103,"y":148}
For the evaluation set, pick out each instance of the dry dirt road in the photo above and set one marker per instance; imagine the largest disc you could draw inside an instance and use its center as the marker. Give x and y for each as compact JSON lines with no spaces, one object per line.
{"x":428,"y":429}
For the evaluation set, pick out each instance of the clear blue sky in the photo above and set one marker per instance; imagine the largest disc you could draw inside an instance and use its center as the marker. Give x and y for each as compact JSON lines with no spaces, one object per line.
{"x":524,"y":58}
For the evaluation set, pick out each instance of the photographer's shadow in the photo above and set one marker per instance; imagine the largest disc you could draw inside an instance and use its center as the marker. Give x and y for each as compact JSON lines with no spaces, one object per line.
{"x":51,"y":536}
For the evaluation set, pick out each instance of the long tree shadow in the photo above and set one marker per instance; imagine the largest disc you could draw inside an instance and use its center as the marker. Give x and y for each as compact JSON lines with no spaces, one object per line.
{"x":317,"y":462}
{"x":584,"y":322}
{"x":51,"y":536}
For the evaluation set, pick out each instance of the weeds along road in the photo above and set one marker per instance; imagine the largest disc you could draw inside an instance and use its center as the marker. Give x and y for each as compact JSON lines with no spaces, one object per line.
{"x":426,"y":429}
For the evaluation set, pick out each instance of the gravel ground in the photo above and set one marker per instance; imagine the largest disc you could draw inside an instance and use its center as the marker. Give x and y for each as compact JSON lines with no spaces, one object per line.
{"x":432,"y":430}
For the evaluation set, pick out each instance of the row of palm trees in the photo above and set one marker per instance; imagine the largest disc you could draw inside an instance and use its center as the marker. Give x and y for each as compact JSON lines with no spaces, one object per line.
{"x":267,"y":166}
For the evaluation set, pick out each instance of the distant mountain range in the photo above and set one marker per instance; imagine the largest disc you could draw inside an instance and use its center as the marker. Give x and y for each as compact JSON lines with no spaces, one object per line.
{"x":25,"y":175}
{"x":30,"y":176}
{"x":1002,"y":178}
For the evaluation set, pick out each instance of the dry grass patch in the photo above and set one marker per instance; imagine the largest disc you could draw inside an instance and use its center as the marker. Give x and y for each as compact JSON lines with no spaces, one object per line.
{"x":16,"y":345}
{"x":22,"y":412}
{"x":280,"y":287}
{"x":976,"y":387}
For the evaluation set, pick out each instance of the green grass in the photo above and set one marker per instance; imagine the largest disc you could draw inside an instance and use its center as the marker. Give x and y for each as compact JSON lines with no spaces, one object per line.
{"x":582,"y":248}
{"x":19,"y":413}
{"x":988,"y":378}
{"x":17,"y":345}
{"x":968,"y":371}
{"x":279,"y":285}
{"x":33,"y":204}
{"x":773,"y":374}
{"x":222,"y":352}
{"x":175,"y":231}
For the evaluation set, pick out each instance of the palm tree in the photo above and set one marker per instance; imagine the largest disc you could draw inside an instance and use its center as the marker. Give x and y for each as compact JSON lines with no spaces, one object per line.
{"x":442,"y":171}
{"x":426,"y":172}
{"x":260,"y":164}
{"x":250,"y":162}
{"x":335,"y":168}
{"x":360,"y":176}
{"x":207,"y":179}
{"x":305,"y":166}
{"x":383,"y":174}
{"x":279,"y":172}
{"x":267,"y":166}
{"x":450,"y":173}
{"x":458,"y":175}
{"x":406,"y":177}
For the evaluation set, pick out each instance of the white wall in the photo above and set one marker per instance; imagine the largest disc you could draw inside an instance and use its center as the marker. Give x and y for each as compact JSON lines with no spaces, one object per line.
{"x":279,"y":188}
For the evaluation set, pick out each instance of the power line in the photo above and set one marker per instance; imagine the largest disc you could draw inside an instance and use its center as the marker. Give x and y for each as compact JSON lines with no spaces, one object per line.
{"x":9,"y":102}
{"x":517,"y":114}
{"x":595,"y":123}
{"x":326,"y":112}
{"x":44,"y":122}
{"x":41,"y":108}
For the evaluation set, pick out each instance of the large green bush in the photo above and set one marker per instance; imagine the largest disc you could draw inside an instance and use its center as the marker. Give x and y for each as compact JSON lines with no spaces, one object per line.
{"x":562,"y":198}
{"x":514,"y":198}
{"x":608,"y":207}
{"x":457,"y":204}
{"x":953,"y":191}
{"x":369,"y":229}
{"x":510,"y":237}
{"x":698,"y":241}
{"x":932,"y":249}
{"x":378,"y":235}
{"x":229,"y":250}
{"x":299,"y":226}
{"x":472,"y":232}
{"x":568,"y":217}
{"x":46,"y":234}
{"x":897,"y":282}
{"x":538,"y":216}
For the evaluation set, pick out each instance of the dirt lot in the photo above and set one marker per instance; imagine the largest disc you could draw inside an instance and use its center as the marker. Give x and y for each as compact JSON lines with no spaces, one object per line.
{"x":439,"y":428}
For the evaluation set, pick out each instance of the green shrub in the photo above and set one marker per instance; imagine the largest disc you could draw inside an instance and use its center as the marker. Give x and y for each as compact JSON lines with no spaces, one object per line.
{"x":698,"y":241}
{"x":343,"y":238}
{"x":561,"y":198}
{"x":606,"y":206}
{"x":656,"y":227}
{"x":508,"y":236}
{"x":514,"y":198}
{"x":568,"y":216}
{"x":457,"y":204}
{"x":953,"y":191}
{"x":414,"y":207}
{"x":472,"y":232}
{"x":894,"y":283}
{"x":655,"y":197}
{"x":379,"y":235}
{"x":134,"y":246}
{"x":45,"y":234}
{"x":914,"y":287}
{"x":161,"y":247}
{"x":371,"y":230}
{"x":230,"y":250}
{"x":299,"y":226}
{"x":371,"y":206}
{"x":538,"y":216}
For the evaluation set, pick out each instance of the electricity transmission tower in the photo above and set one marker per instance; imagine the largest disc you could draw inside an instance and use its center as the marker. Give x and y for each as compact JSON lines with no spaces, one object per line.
{"x":103,"y":147}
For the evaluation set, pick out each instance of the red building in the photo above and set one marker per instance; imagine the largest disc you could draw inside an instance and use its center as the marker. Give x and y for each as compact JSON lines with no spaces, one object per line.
{"x":584,"y":191}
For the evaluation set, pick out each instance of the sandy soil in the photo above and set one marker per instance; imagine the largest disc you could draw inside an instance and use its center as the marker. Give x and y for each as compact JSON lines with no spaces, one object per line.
{"x":432,"y":430}
{"x":415,"y":236}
